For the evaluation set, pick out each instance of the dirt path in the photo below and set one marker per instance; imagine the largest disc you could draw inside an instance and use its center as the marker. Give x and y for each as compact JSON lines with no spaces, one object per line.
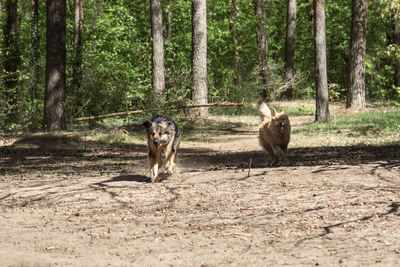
{"x":90,"y":204}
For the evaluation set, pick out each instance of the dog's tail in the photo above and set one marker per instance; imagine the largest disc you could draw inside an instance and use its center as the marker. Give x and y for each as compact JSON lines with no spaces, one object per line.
{"x":263,"y":110}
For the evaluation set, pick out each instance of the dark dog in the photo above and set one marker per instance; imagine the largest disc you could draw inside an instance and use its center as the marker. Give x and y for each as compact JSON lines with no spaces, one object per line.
{"x":163,"y":137}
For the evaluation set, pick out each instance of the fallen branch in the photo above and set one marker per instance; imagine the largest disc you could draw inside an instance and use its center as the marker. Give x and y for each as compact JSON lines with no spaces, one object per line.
{"x":223,"y":104}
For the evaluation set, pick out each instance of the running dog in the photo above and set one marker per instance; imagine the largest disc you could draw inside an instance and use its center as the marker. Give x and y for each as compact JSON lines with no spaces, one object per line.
{"x":274,"y":131}
{"x":163,"y":136}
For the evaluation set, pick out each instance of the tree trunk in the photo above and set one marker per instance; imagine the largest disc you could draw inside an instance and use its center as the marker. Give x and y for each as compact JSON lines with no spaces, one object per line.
{"x":358,"y":43}
{"x":321,"y":78}
{"x":290,"y":48}
{"x":234,"y":9}
{"x":35,"y":50}
{"x":396,"y":41}
{"x":54,"y":113}
{"x":11,"y":60}
{"x":169,"y":30}
{"x":199,"y":57}
{"x":158,"y":78}
{"x":262,"y":44}
{"x":78,"y":48}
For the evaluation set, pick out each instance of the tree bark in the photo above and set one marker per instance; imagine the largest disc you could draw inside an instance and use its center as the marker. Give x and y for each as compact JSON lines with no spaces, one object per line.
{"x":78,"y":48}
{"x":358,"y":43}
{"x":35,"y":50}
{"x":262,"y":44}
{"x":321,"y":78}
{"x":169,"y":28}
{"x":158,"y":77}
{"x":11,"y":60}
{"x":199,"y":57}
{"x":396,"y":41}
{"x":290,"y":48}
{"x":54,"y":112}
{"x":234,"y":9}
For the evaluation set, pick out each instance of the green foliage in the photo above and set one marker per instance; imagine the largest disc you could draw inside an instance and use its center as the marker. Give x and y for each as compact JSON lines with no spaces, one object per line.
{"x":362,"y":124}
{"x":117,"y":55}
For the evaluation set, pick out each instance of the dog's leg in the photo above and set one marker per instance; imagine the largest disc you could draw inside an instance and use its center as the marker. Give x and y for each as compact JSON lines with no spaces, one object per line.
{"x":278,"y":151}
{"x":154,"y":159}
{"x":171,"y":155}
{"x":170,"y":165}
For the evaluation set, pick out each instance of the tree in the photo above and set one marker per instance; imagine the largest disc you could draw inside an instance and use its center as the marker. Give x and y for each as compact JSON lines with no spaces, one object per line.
{"x":234,"y":9}
{"x":262,"y":44}
{"x":35,"y":50}
{"x":199,"y":57}
{"x":396,"y":42}
{"x":358,"y":43}
{"x":77,"y":56}
{"x":321,"y":78}
{"x":54,"y":112}
{"x":288,"y":72}
{"x":11,"y":60}
{"x":158,"y":77}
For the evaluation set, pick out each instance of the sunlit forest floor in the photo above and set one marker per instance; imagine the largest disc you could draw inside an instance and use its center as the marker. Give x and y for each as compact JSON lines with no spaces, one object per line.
{"x":83,"y":198}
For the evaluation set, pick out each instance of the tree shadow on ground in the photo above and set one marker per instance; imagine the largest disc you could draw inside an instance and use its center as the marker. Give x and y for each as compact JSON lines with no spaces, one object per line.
{"x":74,"y":155}
{"x":68,"y":155}
{"x":387,"y":156}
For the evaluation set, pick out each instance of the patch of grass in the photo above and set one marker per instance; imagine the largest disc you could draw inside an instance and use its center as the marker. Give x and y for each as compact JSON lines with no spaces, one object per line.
{"x":234,"y":111}
{"x":363,"y":124}
{"x":297,"y":110}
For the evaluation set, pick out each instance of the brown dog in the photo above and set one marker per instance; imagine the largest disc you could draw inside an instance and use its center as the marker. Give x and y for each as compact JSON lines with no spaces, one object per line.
{"x":163,"y":136}
{"x":274,"y":132}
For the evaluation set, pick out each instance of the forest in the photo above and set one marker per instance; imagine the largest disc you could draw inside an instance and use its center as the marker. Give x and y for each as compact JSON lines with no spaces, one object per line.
{"x":109,"y":49}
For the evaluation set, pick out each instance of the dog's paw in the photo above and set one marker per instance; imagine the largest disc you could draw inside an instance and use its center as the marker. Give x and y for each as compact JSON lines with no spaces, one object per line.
{"x":168,"y":172}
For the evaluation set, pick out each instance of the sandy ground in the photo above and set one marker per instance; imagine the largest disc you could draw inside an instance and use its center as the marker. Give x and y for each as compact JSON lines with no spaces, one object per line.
{"x":66,"y":201}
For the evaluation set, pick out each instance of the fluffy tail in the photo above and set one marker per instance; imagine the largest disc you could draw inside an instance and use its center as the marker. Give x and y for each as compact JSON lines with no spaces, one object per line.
{"x":263,"y":110}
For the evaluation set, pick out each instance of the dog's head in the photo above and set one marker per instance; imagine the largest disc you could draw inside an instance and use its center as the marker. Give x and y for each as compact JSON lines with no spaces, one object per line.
{"x":281,"y":120}
{"x":160,"y":131}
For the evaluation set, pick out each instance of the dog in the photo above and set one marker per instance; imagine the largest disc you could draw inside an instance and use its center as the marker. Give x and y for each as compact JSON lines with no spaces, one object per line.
{"x":274,"y":131}
{"x":163,"y":136}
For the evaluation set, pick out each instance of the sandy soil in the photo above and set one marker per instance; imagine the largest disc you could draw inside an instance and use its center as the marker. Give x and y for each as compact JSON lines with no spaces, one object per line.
{"x":69,"y":201}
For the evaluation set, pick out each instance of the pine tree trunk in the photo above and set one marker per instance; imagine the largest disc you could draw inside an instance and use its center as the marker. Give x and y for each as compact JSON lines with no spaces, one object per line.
{"x":35,"y":50}
{"x":358,"y":43}
{"x":321,"y":78}
{"x":54,"y":112}
{"x":78,"y":48}
{"x":199,"y":57}
{"x":262,"y":44}
{"x":158,"y":78}
{"x":234,"y":9}
{"x":396,"y":41}
{"x":290,"y":48}
{"x":11,"y":60}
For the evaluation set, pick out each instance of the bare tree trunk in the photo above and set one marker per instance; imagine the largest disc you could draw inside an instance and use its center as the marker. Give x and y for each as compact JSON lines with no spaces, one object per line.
{"x":35,"y":50}
{"x":290,"y":47}
{"x":358,"y":43}
{"x":78,"y":48}
{"x":168,"y":50}
{"x":199,"y":57}
{"x":169,"y":30}
{"x":321,"y":78}
{"x":158,"y":78}
{"x":262,"y":43}
{"x":234,"y":9}
{"x":11,"y":60}
{"x":396,"y":41}
{"x":54,"y":112}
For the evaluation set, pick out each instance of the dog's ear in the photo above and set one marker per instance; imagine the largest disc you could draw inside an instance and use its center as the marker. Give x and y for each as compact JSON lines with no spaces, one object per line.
{"x":274,"y":112}
{"x":147,"y":124}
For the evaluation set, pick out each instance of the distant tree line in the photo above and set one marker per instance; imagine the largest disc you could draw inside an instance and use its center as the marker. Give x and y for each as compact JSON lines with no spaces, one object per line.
{"x":64,"y":59}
